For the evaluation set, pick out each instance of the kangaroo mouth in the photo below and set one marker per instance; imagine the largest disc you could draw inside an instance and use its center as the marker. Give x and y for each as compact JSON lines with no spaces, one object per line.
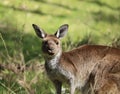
{"x":50,"y":52}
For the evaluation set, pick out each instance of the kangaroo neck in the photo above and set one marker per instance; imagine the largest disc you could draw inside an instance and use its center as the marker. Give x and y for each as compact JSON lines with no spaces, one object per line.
{"x":52,"y":62}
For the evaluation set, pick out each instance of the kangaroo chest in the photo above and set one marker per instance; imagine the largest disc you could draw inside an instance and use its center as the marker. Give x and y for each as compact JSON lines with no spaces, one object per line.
{"x":55,"y":71}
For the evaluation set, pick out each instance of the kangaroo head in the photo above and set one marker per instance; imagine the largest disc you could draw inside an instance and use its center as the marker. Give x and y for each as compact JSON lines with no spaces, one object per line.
{"x":51,"y":45}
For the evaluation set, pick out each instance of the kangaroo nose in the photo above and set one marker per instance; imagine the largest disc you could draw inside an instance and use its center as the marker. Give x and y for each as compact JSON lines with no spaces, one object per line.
{"x":48,"y":42}
{"x":50,"y":48}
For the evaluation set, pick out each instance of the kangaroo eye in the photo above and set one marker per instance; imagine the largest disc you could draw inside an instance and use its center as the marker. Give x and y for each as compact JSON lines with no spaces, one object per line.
{"x":57,"y":42}
{"x":44,"y":42}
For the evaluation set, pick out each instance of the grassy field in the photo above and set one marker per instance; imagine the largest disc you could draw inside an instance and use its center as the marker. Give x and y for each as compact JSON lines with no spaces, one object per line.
{"x":21,"y":62}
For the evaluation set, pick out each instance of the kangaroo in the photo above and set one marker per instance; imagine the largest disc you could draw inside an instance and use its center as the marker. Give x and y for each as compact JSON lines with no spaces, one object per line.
{"x":93,"y":69}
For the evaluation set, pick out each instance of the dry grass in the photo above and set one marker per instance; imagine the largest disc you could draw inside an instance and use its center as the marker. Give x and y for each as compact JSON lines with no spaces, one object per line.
{"x":15,"y":69}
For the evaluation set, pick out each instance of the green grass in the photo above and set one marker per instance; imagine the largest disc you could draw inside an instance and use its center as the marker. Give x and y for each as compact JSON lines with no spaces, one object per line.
{"x":90,"y":22}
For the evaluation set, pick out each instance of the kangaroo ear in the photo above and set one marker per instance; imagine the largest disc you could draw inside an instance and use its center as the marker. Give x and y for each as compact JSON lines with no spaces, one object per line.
{"x":40,"y":33}
{"x":61,"y":32}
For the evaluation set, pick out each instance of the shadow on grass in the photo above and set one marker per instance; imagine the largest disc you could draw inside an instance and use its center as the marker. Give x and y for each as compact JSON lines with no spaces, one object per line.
{"x":99,"y":3}
{"x":56,"y":4}
{"x":23,"y":9}
{"x":15,"y":42}
{"x":37,"y":11}
{"x":30,"y":45}
{"x":110,"y":18}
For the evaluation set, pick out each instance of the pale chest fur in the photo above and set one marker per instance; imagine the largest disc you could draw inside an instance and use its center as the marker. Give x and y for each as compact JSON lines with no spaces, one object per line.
{"x":55,"y":70}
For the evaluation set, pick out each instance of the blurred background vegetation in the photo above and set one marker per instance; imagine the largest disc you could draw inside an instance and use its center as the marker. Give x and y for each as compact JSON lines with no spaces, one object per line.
{"x":21,"y":62}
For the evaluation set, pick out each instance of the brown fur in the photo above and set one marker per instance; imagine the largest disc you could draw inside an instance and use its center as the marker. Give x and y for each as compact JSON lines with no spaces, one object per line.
{"x":106,"y":70}
{"x":93,"y":69}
